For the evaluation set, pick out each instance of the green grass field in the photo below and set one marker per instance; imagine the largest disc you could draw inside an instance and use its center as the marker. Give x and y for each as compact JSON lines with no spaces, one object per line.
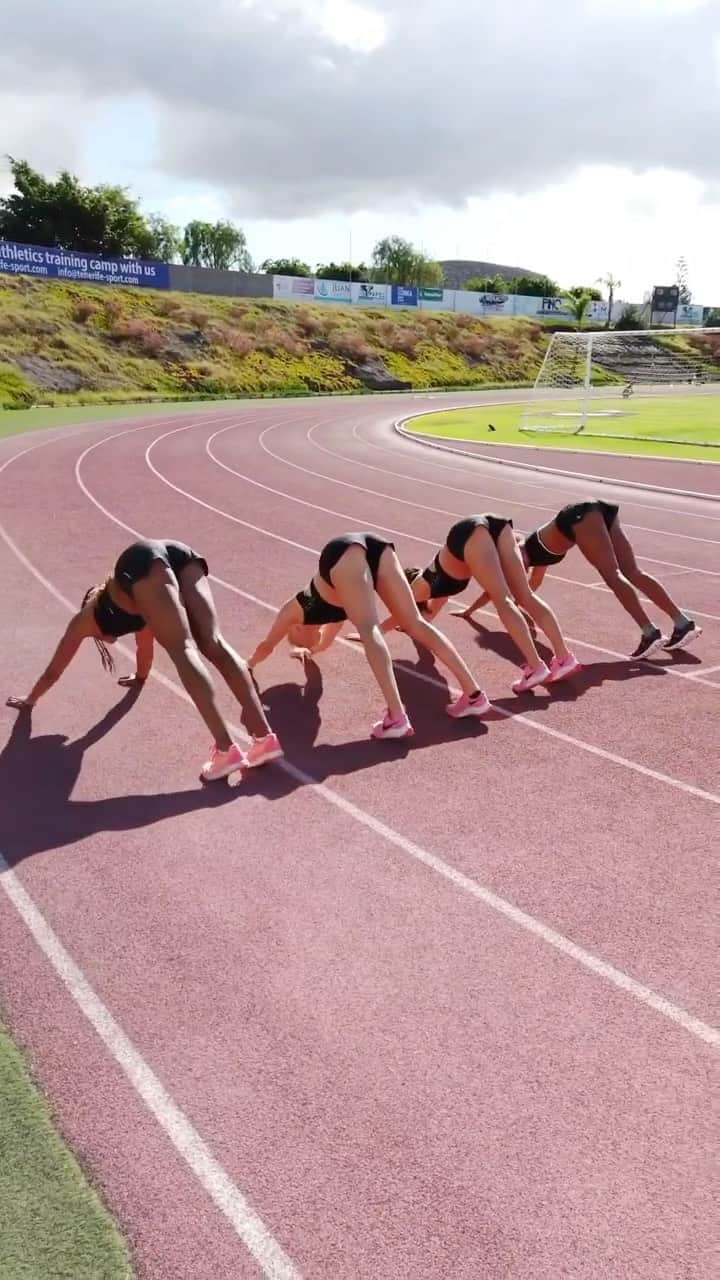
{"x":693,"y":421}
{"x":52,"y":1224}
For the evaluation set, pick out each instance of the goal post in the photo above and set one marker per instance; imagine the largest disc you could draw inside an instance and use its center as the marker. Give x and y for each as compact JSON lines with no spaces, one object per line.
{"x":589,"y":380}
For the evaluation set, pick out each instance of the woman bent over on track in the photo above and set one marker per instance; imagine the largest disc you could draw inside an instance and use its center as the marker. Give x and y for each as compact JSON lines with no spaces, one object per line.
{"x":484,"y":548}
{"x":594,"y":526}
{"x":159,"y":591}
{"x":352,"y":568}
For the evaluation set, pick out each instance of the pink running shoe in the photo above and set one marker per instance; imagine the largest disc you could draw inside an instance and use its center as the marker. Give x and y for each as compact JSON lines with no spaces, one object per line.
{"x":222,"y":763}
{"x":263,"y":750}
{"x":467,"y":706}
{"x":560,"y":669}
{"x":389,"y":728}
{"x":530,"y":678}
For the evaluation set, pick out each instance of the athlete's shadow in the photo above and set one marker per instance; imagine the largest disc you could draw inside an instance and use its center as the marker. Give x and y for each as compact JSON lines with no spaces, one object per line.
{"x":37,"y":777}
{"x":294,"y":710}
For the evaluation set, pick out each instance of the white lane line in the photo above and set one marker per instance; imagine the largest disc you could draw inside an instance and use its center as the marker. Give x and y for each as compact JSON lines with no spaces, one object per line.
{"x":541,"y":506}
{"x":489,"y":461}
{"x":249,"y":1227}
{"x":556,"y":577}
{"x":251,"y":1230}
{"x":279,"y":493}
{"x":530,"y":924}
{"x":515,"y":718}
{"x":353,"y":462}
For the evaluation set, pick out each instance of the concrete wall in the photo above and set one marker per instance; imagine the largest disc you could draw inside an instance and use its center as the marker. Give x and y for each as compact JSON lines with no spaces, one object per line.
{"x":232,"y":284}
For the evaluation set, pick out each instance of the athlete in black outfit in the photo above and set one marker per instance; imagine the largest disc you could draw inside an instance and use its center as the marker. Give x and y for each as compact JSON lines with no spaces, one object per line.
{"x":594,"y":526}
{"x":483,"y":547}
{"x":352,"y":569}
{"x":159,"y":591}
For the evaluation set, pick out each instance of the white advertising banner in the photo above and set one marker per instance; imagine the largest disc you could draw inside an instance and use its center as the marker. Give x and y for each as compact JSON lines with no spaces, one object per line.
{"x":689,"y":313}
{"x":483,"y":304}
{"x":333,"y":291}
{"x":369,"y":295}
{"x":293,"y":288}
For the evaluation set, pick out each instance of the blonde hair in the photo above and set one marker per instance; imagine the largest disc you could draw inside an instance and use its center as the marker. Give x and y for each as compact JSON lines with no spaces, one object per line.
{"x":106,"y":657}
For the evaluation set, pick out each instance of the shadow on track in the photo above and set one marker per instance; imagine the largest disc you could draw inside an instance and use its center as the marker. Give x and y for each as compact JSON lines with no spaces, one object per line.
{"x":37,"y":777}
{"x":295,"y":710}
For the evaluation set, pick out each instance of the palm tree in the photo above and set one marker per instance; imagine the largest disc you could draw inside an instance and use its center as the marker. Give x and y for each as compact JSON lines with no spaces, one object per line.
{"x":612,"y":285}
{"x":579,"y":303}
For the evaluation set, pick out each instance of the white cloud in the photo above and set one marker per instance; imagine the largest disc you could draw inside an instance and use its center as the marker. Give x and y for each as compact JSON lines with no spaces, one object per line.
{"x":474,"y":124}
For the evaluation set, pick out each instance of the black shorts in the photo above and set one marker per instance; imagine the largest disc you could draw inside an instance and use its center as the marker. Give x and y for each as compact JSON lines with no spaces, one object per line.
{"x":316,"y":611}
{"x":335,"y":550}
{"x":571,"y":515}
{"x":464,"y":529}
{"x":137,"y":560}
{"x":441,"y":584}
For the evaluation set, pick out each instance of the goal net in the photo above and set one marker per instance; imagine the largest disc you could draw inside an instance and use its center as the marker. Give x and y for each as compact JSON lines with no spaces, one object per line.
{"x":599,"y":382}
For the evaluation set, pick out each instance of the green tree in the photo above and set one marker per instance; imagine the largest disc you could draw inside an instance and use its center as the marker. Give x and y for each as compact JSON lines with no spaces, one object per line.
{"x":219,"y":245}
{"x":342,"y":271}
{"x":534,"y":287}
{"x":396,"y":261}
{"x":64,"y":214}
{"x":285,"y":267}
{"x":578,"y":290}
{"x":487,"y":284}
{"x":611,"y":284}
{"x":166,"y":239}
{"x":682,"y":281}
{"x":630,"y":319}
{"x":579,"y":303}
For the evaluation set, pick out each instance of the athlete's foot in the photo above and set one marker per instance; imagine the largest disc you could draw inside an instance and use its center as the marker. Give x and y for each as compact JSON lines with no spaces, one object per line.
{"x":468,"y":704}
{"x":222,"y":763}
{"x":263,"y":750}
{"x":393,"y":727}
{"x":683,"y":634}
{"x":561,"y":668}
{"x":650,"y":642}
{"x":531,"y":676}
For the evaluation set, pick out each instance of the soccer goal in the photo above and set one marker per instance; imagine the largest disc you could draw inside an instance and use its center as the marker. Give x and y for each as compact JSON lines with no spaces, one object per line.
{"x":598,"y":382}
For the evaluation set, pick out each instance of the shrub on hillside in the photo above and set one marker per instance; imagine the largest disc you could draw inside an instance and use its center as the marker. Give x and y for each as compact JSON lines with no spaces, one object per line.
{"x":350,"y":344}
{"x":15,"y":391}
{"x":140,"y":333}
{"x":85,"y":310}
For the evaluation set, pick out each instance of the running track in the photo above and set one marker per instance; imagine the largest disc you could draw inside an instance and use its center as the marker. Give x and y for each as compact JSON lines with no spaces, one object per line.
{"x":389,"y":1012}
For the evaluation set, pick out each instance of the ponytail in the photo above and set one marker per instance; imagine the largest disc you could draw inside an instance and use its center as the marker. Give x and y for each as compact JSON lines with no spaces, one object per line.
{"x":106,"y":657}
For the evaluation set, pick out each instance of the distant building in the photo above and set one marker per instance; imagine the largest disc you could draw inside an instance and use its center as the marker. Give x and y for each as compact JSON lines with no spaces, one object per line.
{"x":457,"y":271}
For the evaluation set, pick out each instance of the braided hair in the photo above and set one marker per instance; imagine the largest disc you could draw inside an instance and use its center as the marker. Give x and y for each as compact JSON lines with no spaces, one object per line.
{"x":106,"y":657}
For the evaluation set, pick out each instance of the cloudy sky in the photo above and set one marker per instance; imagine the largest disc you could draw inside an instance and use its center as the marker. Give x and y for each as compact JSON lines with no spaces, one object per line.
{"x":571,"y":136}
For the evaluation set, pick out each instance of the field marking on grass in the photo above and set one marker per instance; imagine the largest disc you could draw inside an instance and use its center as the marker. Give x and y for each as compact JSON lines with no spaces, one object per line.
{"x":515,"y":502}
{"x":586,"y":960}
{"x":428,"y":443}
{"x":520,"y":484}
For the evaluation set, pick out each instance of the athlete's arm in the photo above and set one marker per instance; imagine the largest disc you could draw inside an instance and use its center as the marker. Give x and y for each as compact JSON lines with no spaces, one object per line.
{"x":537,"y":573}
{"x":77,"y":630}
{"x":285,"y":617}
{"x":472,"y":608}
{"x":144,"y":653}
{"x":329,"y":633}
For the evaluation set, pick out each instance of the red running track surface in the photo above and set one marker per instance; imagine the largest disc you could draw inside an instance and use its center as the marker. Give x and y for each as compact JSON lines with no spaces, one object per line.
{"x":443,"y":1009}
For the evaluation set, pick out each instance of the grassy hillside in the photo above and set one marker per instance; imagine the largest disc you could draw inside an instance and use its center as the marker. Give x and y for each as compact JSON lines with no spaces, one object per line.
{"x":64,"y":343}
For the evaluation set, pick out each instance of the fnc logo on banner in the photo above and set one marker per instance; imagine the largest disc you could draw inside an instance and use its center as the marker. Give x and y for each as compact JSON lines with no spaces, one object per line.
{"x":370,"y":293}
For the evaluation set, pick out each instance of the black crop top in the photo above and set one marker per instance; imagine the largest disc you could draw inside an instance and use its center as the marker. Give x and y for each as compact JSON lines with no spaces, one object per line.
{"x":316,"y":611}
{"x":112,"y":620}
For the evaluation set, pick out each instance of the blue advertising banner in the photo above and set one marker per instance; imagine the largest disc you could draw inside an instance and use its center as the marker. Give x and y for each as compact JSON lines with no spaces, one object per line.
{"x":92,"y":268}
{"x":404,"y":295}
